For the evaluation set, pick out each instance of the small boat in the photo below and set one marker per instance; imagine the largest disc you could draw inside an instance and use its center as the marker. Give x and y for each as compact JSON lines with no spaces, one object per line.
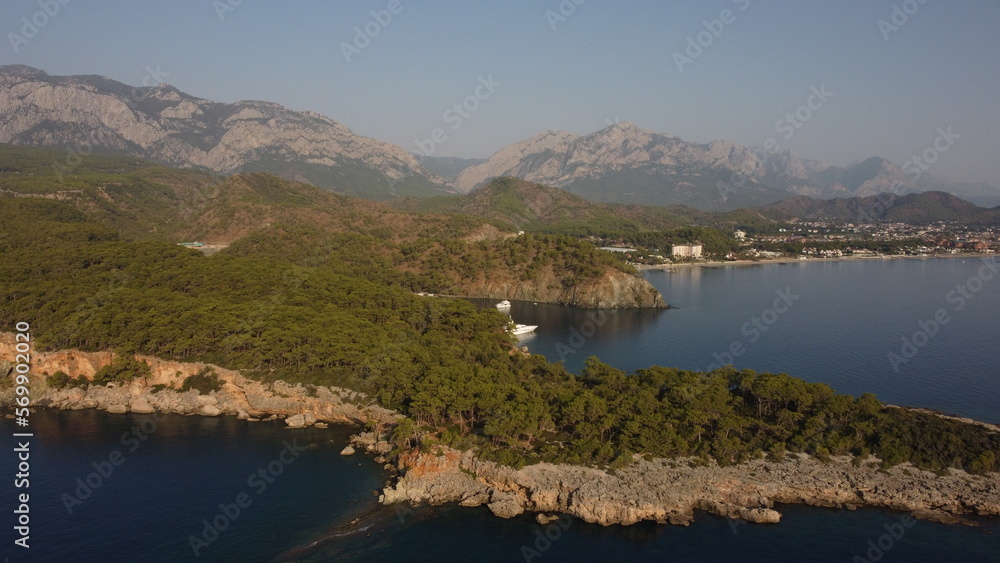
{"x":520,"y":329}
{"x":503,"y":304}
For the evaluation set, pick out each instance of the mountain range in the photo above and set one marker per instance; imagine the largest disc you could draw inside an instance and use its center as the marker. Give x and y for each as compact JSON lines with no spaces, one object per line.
{"x":163,"y":124}
{"x":625,"y":164}
{"x":619,"y":164}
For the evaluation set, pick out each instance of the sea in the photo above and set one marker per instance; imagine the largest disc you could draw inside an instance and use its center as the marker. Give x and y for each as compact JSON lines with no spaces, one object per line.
{"x":136,"y":488}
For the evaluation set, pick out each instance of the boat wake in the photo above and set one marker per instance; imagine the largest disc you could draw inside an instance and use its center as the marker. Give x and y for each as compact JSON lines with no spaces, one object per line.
{"x":364,"y":530}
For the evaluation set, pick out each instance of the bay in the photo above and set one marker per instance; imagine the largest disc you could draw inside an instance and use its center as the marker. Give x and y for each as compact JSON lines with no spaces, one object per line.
{"x":847,"y":317}
{"x":843,"y":321}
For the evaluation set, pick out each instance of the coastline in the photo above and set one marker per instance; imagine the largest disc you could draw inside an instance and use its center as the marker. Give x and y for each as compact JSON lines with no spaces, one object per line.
{"x":659,"y":490}
{"x":239,"y":396}
{"x":722,"y":263}
{"x":671,"y":490}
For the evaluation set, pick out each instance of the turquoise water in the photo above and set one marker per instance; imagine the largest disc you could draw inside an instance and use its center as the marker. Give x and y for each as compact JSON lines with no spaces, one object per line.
{"x":847,"y":318}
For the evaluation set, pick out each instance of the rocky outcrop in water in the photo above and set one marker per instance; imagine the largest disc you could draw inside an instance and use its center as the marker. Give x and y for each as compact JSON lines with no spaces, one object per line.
{"x":669,"y":491}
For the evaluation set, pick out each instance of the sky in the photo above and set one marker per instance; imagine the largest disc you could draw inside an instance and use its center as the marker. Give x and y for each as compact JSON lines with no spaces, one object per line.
{"x":832,"y":81}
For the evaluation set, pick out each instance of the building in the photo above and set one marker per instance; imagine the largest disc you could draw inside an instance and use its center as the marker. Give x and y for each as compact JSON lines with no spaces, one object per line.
{"x":686,"y":250}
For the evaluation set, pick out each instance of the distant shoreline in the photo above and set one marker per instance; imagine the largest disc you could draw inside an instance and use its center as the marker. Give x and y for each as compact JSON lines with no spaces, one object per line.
{"x":720,"y":263}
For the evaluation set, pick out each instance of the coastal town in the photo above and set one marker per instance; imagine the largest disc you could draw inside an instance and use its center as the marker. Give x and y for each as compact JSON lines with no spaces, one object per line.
{"x":819,"y":240}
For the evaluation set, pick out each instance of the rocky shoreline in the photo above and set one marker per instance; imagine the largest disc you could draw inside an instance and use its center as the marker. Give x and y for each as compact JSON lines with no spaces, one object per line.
{"x":239,"y":396}
{"x":669,"y":491}
{"x":660,"y":490}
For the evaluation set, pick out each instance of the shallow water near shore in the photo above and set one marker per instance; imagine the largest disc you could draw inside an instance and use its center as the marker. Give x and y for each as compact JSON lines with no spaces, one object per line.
{"x":321,"y":507}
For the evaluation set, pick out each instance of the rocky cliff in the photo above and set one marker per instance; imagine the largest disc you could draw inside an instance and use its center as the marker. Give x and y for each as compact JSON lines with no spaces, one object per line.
{"x":159,"y":392}
{"x":613,"y":290}
{"x":669,"y":491}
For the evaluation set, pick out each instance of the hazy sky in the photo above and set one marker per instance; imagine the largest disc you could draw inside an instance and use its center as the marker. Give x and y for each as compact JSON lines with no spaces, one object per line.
{"x":572,"y":65}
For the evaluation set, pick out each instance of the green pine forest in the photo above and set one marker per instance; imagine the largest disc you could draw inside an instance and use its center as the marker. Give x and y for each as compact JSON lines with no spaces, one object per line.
{"x":320,"y":289}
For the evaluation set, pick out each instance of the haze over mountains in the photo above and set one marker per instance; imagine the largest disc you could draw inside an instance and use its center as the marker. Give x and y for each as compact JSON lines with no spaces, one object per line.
{"x":538,"y":207}
{"x":626,"y":164}
{"x":621,"y":163}
{"x":163,"y":124}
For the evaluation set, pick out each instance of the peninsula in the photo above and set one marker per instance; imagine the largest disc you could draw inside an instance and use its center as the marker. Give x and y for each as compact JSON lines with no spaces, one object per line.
{"x":426,"y":470}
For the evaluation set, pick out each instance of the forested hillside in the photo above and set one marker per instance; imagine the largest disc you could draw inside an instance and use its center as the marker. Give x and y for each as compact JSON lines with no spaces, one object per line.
{"x":538,"y":208}
{"x":448,"y":367}
{"x":325,"y":295}
{"x":259,"y":214}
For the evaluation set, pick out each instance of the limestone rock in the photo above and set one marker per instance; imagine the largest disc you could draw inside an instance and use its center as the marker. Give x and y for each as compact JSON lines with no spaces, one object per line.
{"x":349,"y":450}
{"x":180,"y":130}
{"x":544,"y":519}
{"x":672,"y":490}
{"x":141,"y":405}
{"x":505,"y":505}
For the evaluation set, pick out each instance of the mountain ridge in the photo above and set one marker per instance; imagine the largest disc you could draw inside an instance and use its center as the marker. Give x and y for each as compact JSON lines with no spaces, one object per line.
{"x":161,"y":123}
{"x":621,"y":163}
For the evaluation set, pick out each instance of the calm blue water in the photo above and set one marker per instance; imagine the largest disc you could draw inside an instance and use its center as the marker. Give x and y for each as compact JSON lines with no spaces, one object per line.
{"x":848,"y":316}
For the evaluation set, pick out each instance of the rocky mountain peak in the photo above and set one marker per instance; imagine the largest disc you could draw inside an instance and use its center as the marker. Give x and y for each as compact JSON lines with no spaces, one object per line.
{"x":169,"y":126}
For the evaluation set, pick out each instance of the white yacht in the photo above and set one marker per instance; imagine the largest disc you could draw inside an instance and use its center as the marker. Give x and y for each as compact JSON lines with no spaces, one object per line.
{"x":520,"y":329}
{"x":503,"y":305}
